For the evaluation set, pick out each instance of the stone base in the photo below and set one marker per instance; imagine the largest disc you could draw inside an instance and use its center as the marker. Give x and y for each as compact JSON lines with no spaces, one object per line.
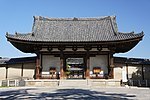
{"x":64,"y":83}
{"x":73,"y":83}
{"x":42,"y":83}
{"x":104,"y":83}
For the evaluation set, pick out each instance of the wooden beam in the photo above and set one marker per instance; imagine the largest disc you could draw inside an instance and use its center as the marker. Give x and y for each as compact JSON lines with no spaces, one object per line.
{"x":22,"y":66}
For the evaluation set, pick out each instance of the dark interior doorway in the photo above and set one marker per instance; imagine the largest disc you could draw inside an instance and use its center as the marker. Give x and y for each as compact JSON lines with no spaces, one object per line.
{"x":75,"y":68}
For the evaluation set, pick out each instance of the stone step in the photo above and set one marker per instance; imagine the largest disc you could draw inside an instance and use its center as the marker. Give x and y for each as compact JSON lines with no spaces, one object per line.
{"x":73,"y":83}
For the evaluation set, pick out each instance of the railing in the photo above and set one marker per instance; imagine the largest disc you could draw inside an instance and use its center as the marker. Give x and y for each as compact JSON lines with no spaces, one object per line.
{"x":139,"y":83}
{"x":12,"y":83}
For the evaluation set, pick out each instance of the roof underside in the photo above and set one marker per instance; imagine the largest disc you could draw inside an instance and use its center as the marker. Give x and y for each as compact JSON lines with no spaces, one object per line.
{"x":121,"y":60}
{"x":73,"y":30}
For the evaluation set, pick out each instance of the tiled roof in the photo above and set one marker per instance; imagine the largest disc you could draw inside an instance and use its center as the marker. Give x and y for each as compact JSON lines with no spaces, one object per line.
{"x":21,"y":60}
{"x":138,"y":61}
{"x":74,"y":30}
{"x":120,"y":59}
{"x":4,"y":61}
{"x":131,"y":61}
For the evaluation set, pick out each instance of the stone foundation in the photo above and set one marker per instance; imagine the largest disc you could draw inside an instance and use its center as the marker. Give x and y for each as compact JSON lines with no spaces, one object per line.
{"x":62,"y":83}
{"x":74,"y":83}
{"x":42,"y":83}
{"x":104,"y":83}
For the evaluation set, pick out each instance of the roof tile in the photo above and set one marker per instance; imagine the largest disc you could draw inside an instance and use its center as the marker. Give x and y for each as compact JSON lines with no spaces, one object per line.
{"x":79,"y":30}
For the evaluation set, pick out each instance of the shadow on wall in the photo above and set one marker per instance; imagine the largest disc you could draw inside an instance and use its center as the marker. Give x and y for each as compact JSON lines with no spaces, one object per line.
{"x":137,"y":75}
{"x":141,"y":73}
{"x":73,"y":94}
{"x":140,"y":78}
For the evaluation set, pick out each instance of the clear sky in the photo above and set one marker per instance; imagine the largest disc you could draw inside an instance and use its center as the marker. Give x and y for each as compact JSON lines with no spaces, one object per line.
{"x":132,"y":15}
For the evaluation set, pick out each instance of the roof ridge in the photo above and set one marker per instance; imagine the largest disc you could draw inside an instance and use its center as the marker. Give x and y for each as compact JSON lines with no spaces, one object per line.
{"x":132,"y":32}
{"x":114,"y":25}
{"x":18,"y":34}
{"x":72,"y":18}
{"x":141,"y":33}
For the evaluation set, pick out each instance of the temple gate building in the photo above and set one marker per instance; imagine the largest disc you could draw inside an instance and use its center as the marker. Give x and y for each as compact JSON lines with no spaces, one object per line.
{"x":74,"y":47}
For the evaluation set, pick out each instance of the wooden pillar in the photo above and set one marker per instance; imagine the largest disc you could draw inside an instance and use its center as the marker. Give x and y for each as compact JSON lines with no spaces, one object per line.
{"x":88,"y":68}
{"x":61,"y":68}
{"x":38,"y":66}
{"x":142,"y":72}
{"x":6,"y":71}
{"x":88,"y":65}
{"x":88,"y":48}
{"x":22,"y":70}
{"x":127,"y":71}
{"x":61,"y":65}
{"x":111,"y":66}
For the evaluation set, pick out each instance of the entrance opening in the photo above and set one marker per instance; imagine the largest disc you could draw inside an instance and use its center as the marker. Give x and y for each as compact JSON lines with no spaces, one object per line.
{"x":75,"y":68}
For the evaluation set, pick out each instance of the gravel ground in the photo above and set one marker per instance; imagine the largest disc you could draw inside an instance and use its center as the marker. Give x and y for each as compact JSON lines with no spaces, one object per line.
{"x":70,"y":93}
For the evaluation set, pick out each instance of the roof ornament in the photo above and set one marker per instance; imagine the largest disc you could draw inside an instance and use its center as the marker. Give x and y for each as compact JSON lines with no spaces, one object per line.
{"x":99,"y":48}
{"x":32,"y":33}
{"x":49,"y":48}
{"x":38,"y":17}
{"x":7,"y":33}
{"x":142,"y":32}
{"x":16,"y":33}
{"x":132,"y":32}
{"x":75,"y":19}
{"x":74,"y":48}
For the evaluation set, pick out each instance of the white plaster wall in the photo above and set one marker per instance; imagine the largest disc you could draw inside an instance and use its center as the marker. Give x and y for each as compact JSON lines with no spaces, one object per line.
{"x":29,"y":70}
{"x":68,"y":49}
{"x":14,"y":72}
{"x":44,"y":49}
{"x":99,"y":61}
{"x":55,"y":49}
{"x":134,"y":70}
{"x":81,"y":49}
{"x":28,"y":73}
{"x":94,"y":49}
{"x":50,"y":61}
{"x":2,"y":73}
{"x":117,"y":73}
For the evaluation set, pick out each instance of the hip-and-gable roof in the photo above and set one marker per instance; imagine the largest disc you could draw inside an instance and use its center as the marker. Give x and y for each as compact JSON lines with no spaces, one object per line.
{"x":74,"y":30}
{"x":96,"y":31}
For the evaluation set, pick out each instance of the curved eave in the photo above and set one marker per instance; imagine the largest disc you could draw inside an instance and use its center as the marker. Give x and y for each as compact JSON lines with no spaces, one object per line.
{"x":126,"y":46}
{"x":27,"y":38}
{"x":121,"y":46}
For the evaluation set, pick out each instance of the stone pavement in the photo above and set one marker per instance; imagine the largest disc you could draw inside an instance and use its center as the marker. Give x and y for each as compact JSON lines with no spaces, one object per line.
{"x":74,"y":93}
